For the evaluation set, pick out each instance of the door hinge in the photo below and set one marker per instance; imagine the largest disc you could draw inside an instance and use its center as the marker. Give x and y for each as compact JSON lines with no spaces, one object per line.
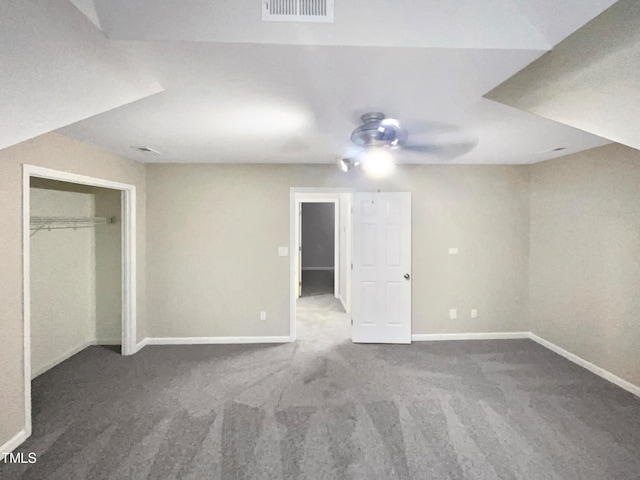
{"x":352,"y":266}
{"x":352,"y":321}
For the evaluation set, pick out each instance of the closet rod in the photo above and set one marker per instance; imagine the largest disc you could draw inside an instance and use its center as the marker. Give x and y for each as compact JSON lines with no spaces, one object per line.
{"x":57,"y":223}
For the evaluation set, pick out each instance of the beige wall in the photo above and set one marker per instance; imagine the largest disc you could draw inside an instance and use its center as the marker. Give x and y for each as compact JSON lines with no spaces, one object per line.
{"x":213,"y":233}
{"x":62,"y":280}
{"x":53,"y":151}
{"x":585,"y":256}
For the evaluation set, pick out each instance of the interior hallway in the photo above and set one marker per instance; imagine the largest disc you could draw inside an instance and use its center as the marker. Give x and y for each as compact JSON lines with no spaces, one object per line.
{"x":321,"y":319}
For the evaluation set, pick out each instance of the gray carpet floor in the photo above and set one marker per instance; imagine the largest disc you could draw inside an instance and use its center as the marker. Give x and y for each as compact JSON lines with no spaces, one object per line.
{"x":323,"y":408}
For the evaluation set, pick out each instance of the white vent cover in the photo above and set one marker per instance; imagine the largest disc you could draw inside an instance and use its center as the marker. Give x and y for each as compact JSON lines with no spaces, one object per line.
{"x":297,"y":11}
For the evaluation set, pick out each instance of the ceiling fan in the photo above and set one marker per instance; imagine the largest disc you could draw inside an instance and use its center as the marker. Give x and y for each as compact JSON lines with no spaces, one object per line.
{"x":373,"y":142}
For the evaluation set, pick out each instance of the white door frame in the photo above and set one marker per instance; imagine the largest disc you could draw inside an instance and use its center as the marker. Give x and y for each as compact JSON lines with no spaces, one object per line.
{"x":128,"y":212}
{"x":298,"y":195}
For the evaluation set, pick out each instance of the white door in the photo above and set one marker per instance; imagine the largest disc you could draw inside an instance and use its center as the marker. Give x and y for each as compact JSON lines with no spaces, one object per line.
{"x":381,"y":309}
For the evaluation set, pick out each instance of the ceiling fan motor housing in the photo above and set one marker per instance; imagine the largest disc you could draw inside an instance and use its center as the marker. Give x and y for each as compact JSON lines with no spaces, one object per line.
{"x":376,"y":131}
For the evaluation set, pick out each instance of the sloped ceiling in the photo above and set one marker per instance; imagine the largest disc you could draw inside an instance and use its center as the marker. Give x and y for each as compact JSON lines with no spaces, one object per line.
{"x":590,"y":81}
{"x":58,"y":68}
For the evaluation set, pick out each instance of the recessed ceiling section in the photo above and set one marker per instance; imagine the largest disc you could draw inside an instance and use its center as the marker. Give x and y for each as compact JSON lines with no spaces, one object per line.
{"x":589,"y":81}
{"x":501,"y":24}
{"x":244,"y":103}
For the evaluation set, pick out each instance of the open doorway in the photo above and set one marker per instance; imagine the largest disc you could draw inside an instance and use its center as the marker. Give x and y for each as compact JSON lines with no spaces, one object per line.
{"x":319,"y":254}
{"x":321,"y":265}
{"x":78,"y":269}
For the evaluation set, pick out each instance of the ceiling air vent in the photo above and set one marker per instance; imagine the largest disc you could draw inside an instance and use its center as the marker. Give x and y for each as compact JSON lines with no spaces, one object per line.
{"x":297,"y":11}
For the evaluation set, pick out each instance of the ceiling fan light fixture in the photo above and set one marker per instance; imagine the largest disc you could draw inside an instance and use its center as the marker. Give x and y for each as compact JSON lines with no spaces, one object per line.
{"x":378,"y":163}
{"x":345,"y":164}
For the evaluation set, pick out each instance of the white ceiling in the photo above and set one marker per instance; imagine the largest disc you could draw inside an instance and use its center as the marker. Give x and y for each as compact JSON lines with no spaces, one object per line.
{"x":235,"y":89}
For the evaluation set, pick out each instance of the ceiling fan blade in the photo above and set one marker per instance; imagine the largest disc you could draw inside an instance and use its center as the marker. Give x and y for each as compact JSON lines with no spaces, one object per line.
{"x":444,"y":151}
{"x":422,"y":127}
{"x":422,"y":148}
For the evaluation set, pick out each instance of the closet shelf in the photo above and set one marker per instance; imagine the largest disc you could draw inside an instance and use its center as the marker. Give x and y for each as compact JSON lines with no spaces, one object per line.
{"x":56,"y":223}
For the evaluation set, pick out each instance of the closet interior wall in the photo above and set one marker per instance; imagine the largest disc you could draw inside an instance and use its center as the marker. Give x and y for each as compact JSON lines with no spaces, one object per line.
{"x":76,"y":294}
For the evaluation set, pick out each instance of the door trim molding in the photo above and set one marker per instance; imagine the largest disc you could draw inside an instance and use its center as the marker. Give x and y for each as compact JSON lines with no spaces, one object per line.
{"x":296,"y":196}
{"x":128,"y":262}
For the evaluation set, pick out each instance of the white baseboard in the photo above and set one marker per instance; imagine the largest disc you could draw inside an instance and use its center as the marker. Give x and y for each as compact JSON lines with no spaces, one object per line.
{"x":141,"y":345}
{"x":14,"y":443}
{"x":436,"y":337}
{"x":212,"y":340}
{"x":68,"y":354}
{"x":601,"y":372}
{"x":344,"y":304}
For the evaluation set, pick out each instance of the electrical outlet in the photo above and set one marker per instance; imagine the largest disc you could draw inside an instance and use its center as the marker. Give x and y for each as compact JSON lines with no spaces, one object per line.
{"x":453,"y":251}
{"x":283,"y":251}
{"x":453,"y":314}
{"x":263,"y":315}
{"x":474,"y":313}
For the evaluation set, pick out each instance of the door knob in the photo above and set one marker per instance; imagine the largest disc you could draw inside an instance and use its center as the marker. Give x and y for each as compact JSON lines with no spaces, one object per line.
{"x":407,"y":276}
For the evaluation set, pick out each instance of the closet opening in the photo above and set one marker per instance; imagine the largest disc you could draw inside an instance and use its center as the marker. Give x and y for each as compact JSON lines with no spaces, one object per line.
{"x":79,"y":271}
{"x":76,"y":272}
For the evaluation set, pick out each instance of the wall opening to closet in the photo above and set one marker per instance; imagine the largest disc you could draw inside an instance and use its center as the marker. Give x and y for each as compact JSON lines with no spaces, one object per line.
{"x":76,"y":270}
{"x":79,"y":270}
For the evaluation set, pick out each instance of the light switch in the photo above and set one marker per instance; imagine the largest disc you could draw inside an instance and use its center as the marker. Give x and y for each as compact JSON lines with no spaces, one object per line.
{"x":453,"y":314}
{"x":283,"y":251}
{"x":474,"y":313}
{"x":453,"y":251}
{"x":263,"y":315}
